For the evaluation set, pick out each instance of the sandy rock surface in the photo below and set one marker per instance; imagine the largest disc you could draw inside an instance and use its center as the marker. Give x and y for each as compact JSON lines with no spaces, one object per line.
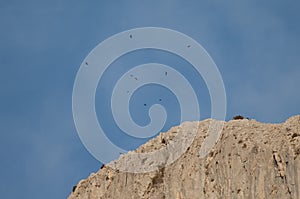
{"x":250,"y":160}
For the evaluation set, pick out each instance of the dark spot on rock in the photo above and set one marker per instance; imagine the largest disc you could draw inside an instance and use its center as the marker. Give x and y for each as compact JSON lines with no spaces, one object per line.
{"x":74,"y":188}
{"x":130,"y":36}
{"x":254,"y":150}
{"x":297,"y":152}
{"x":295,"y":135}
{"x":238,"y":117}
{"x":143,"y":160}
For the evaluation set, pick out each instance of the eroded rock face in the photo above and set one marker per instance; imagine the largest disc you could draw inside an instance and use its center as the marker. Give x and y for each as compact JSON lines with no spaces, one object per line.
{"x":250,"y":160}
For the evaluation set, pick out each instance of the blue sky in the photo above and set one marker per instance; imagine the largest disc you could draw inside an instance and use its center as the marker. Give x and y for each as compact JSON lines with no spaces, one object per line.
{"x":255,"y":45}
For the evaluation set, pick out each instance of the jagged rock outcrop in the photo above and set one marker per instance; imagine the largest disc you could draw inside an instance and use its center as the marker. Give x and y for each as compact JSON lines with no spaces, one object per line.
{"x":250,"y":160}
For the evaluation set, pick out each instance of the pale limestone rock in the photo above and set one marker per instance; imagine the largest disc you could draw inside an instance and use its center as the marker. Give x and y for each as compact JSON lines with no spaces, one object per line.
{"x":250,"y":160}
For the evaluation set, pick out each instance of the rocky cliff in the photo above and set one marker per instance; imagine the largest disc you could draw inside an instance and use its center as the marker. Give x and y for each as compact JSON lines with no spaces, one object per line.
{"x":250,"y":160}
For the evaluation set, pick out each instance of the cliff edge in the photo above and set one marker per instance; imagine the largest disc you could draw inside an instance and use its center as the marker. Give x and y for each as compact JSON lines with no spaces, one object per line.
{"x":250,"y":160}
